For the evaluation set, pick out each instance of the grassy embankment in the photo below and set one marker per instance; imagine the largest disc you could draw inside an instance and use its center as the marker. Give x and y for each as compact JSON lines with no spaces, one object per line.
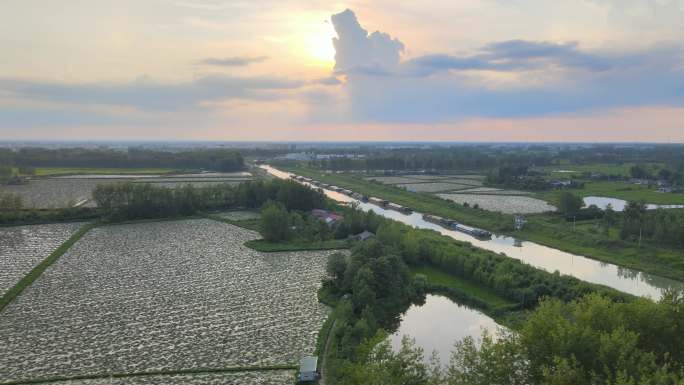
{"x":547,"y":229}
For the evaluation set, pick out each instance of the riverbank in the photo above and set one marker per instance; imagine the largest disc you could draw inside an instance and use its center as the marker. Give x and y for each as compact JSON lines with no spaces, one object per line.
{"x":546,"y":229}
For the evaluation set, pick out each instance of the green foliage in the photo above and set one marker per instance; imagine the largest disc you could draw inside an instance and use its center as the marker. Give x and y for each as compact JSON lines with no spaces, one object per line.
{"x":9,"y":201}
{"x":144,"y":200}
{"x":569,"y":204}
{"x":275,"y":222}
{"x":592,"y":340}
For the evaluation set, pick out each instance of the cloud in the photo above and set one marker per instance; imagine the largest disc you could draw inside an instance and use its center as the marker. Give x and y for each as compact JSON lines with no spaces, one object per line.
{"x":235,"y":61}
{"x":150,"y":95}
{"x":355,"y":49}
{"x":541,"y":79}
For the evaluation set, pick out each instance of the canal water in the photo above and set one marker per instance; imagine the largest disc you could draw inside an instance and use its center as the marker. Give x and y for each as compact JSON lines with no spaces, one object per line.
{"x":544,"y":257}
{"x":439,"y":323}
{"x":619,"y":204}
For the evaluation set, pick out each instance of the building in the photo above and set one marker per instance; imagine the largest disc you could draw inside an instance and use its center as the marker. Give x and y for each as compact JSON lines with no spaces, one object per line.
{"x":365,"y":235}
{"x":307,"y":369}
{"x":326,"y":216}
{"x":519,"y":222}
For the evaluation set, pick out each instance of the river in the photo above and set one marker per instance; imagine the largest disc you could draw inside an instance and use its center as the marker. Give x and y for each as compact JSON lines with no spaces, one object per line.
{"x":544,"y":257}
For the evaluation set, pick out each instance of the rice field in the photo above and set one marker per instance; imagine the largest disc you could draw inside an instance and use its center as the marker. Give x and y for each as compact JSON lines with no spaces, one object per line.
{"x":503,"y":204}
{"x":160,"y":296}
{"x":23,"y":247}
{"x":433,"y":187}
{"x":54,"y":193}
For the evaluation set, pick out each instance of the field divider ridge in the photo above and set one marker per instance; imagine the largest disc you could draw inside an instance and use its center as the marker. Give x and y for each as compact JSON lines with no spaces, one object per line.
{"x":236,"y":369}
{"x":38,"y":270}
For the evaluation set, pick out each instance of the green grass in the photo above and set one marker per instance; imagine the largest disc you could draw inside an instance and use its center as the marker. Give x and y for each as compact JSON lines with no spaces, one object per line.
{"x":621,"y":190}
{"x":36,"y":272}
{"x":249,"y":224}
{"x":483,"y":293}
{"x":52,"y":171}
{"x":269,"y":247}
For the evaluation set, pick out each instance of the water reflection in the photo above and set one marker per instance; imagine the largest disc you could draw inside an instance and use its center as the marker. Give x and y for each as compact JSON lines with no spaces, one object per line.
{"x":620,"y":204}
{"x":438,"y":323}
{"x":547,"y":258}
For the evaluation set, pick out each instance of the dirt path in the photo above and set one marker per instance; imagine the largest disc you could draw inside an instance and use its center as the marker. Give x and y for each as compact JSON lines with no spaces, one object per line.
{"x":325,"y":353}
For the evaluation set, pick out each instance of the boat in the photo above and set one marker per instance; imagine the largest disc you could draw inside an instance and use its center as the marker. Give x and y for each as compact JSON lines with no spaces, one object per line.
{"x":378,"y":201}
{"x":453,"y":225}
{"x":398,"y":207}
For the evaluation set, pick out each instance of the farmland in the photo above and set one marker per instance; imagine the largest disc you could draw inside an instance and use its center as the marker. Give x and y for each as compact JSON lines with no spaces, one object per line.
{"x":65,"y":191}
{"x":164,"y":297}
{"x":503,"y":204}
{"x":23,"y":247}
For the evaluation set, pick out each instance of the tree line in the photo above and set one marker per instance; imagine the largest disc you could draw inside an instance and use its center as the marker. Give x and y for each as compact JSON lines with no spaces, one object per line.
{"x":144,"y":200}
{"x":212,"y":159}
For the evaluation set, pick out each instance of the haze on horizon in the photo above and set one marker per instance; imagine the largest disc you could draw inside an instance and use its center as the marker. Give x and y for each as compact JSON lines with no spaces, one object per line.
{"x":491,"y":70}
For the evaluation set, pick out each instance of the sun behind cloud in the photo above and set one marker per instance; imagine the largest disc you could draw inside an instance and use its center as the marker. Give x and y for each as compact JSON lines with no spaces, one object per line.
{"x":318,"y":43}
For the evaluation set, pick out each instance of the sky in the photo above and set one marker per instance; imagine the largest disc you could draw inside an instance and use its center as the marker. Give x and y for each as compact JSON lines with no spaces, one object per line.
{"x":456,"y":70}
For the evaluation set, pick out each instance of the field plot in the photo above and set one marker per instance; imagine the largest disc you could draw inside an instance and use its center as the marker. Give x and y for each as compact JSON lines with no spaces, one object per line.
{"x":163,"y":296}
{"x":503,"y":204}
{"x":269,"y":377}
{"x":54,"y":193}
{"x":23,"y":247}
{"x":433,"y":187}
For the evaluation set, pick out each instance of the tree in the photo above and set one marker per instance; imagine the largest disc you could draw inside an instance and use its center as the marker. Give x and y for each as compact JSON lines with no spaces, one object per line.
{"x":275,"y":222}
{"x":569,"y":203}
{"x":336,"y":266}
{"x":639,"y":172}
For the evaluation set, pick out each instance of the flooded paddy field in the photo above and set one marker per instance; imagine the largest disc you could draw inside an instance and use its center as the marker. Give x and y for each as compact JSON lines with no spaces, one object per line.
{"x":23,"y":247}
{"x":500,"y":203}
{"x":163,"y":296}
{"x":54,"y":193}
